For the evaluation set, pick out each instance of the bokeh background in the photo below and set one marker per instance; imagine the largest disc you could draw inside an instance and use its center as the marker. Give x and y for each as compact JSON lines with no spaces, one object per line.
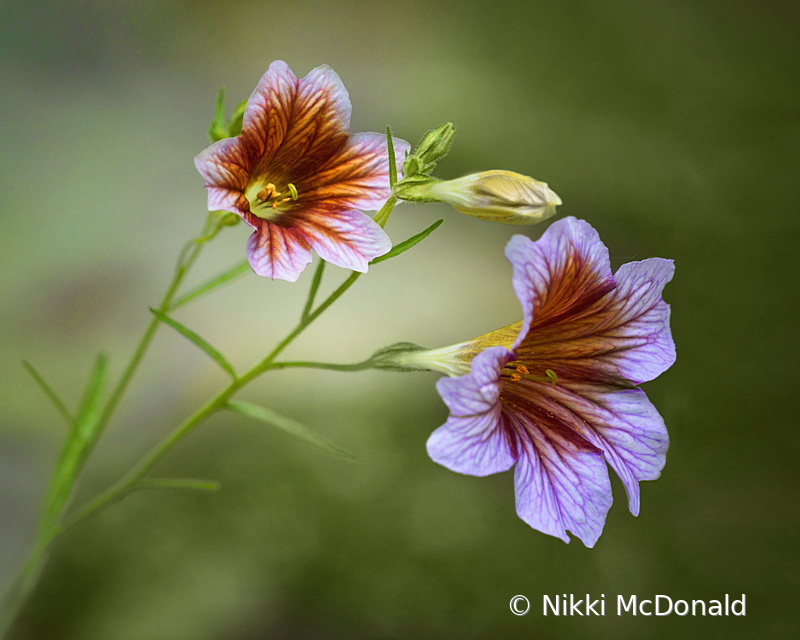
{"x":672,"y":127}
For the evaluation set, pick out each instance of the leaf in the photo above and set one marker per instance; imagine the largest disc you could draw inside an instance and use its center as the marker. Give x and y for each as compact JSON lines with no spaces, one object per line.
{"x":392,"y":159}
{"x":83,"y":434}
{"x":290,"y":426}
{"x":397,"y":249}
{"x":221,"y":279}
{"x":91,"y":404}
{"x":177,"y":483}
{"x":211,"y":352}
{"x":48,"y":391}
{"x":237,"y":119}
{"x":219,"y":129}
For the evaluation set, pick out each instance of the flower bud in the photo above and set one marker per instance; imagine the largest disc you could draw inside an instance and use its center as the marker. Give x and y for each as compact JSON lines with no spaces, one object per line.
{"x":436,"y":143}
{"x":502,"y":196}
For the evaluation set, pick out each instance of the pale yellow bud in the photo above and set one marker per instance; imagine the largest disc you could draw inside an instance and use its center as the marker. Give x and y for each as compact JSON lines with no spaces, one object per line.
{"x":502,"y":196}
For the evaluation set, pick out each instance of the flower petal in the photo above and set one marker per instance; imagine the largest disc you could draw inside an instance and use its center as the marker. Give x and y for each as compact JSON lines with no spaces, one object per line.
{"x":225,"y":168}
{"x":479,"y":391}
{"x":561,"y":274}
{"x":358,"y":176}
{"x":317,"y":128}
{"x":624,"y":424}
{"x":639,"y":323}
{"x":561,"y":481}
{"x":278,"y":252}
{"x":348,"y":239}
{"x":472,"y":440}
{"x":473,"y":445}
{"x":268,"y":112}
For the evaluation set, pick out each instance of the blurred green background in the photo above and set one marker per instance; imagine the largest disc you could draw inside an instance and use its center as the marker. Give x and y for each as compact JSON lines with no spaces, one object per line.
{"x":672,"y":127}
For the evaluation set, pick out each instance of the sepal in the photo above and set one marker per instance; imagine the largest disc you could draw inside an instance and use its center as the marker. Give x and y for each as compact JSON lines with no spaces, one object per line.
{"x":415,"y":188}
{"x":393,"y":357}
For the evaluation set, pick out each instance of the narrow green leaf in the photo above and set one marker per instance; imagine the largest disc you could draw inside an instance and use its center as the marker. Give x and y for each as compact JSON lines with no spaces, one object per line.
{"x":177,"y":483}
{"x":82,"y":436}
{"x":187,"y":333}
{"x":382,"y":217}
{"x":237,"y":119}
{"x":221,"y":279}
{"x":407,"y":244}
{"x":392,"y":160}
{"x":91,"y":404}
{"x":290,"y":426}
{"x":312,"y":292}
{"x":219,"y":129}
{"x":48,"y":391}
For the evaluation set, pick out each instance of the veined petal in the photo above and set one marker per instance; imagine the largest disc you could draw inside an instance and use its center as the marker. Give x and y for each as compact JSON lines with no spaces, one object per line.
{"x":479,"y":391}
{"x":268,"y":113}
{"x":622,"y":339}
{"x":473,"y":445}
{"x":348,"y":239}
{"x":277,"y":252}
{"x":622,"y":423}
{"x":224,"y":167}
{"x":472,"y":441}
{"x":560,"y":275}
{"x":639,"y":322}
{"x":625,"y":425}
{"x":318,"y":125}
{"x":561,"y":481}
{"x":358,"y":176}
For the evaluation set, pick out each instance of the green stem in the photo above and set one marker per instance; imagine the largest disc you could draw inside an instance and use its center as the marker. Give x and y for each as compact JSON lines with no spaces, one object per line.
{"x":50,"y":528}
{"x":147,"y":338}
{"x":329,"y":366}
{"x":128,"y":482}
{"x":223,"y":278}
{"x":24,"y":584}
{"x":312,"y":293}
{"x":134,"y":477}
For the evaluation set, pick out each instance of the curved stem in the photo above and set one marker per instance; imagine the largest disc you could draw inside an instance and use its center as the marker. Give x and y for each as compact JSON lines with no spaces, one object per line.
{"x":50,"y":529}
{"x":128,"y":482}
{"x":131,"y":480}
{"x":330,"y":366}
{"x":184,"y":264}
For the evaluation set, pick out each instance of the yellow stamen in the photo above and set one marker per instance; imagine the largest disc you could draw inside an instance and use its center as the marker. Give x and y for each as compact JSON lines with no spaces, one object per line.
{"x":515,"y":377}
{"x":267,"y":192}
{"x":523,"y":369}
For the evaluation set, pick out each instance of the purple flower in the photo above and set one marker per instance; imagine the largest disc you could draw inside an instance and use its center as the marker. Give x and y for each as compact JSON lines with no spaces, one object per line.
{"x":298,"y":178}
{"x":561,"y":399}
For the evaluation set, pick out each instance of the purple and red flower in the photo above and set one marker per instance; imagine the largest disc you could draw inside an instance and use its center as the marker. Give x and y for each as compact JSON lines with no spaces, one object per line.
{"x":299,"y":178}
{"x":560,"y":399}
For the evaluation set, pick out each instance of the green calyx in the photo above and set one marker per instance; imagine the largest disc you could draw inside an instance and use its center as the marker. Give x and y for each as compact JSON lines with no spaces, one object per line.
{"x":415,"y":189}
{"x":391,"y":358}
